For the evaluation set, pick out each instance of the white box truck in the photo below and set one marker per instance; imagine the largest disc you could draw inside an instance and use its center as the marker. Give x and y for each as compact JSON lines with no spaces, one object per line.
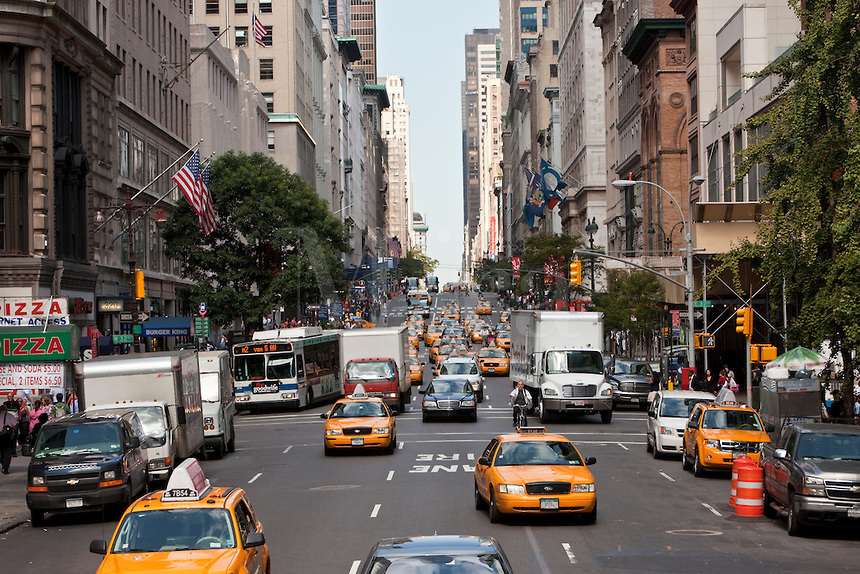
{"x":162,"y":388}
{"x":219,"y":401}
{"x":559,"y":357}
{"x":376,"y":358}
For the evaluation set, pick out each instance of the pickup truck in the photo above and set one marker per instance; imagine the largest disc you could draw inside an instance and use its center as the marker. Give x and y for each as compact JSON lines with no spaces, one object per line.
{"x":812,"y":475}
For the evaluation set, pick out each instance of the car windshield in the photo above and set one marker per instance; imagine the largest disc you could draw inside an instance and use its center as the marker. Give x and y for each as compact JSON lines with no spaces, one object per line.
{"x":643,"y":369}
{"x":538,"y":453}
{"x":449,"y":387}
{"x":492,"y":353}
{"x":589,"y":362}
{"x":828,"y":446}
{"x":458,"y":369}
{"x":731,"y":420}
{"x":358,"y":409}
{"x":85,"y":438}
{"x":438,"y":564}
{"x":414,"y":361}
{"x":370,"y":370}
{"x":679,"y":407}
{"x":175,"y":529}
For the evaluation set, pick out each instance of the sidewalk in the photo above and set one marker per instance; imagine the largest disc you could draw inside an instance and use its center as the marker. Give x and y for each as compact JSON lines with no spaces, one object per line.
{"x":13,"y":494}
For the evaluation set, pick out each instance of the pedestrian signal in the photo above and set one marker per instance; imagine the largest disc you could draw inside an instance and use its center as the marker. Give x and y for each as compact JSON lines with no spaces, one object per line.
{"x":576,"y":272}
{"x":743,"y":322}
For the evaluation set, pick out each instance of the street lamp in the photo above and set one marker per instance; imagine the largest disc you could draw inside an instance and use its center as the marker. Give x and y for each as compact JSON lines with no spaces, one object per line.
{"x":623,"y":183}
{"x":590,"y":229}
{"x":667,"y":238}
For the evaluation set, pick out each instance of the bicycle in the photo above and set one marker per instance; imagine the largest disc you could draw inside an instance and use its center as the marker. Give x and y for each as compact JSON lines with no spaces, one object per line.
{"x":521,"y":418}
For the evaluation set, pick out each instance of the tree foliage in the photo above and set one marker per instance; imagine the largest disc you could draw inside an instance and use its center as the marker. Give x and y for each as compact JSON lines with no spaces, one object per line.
{"x":537,"y":250}
{"x":629,"y":295}
{"x":493,"y":275}
{"x":273,"y":236}
{"x":417,"y":264}
{"x":809,"y":143}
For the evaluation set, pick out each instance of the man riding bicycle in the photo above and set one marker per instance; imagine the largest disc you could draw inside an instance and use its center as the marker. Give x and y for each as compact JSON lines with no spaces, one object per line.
{"x":520,"y":398}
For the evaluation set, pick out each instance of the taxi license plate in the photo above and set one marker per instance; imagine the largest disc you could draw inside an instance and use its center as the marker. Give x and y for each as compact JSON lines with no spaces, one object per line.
{"x":549,"y":504}
{"x":492,"y":369}
{"x":74,"y":502}
{"x":357,"y":442}
{"x":854,"y":512}
{"x":578,"y":403}
{"x":635,"y":400}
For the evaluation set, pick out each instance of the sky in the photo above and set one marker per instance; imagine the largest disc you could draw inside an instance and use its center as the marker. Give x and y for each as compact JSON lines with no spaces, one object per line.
{"x":425,"y":42}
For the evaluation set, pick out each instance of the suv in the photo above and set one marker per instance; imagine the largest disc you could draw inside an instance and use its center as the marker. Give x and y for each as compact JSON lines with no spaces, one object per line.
{"x":85,"y":461}
{"x":667,"y":417}
{"x":717,"y":434}
{"x":631,"y":382}
{"x":464,"y":368}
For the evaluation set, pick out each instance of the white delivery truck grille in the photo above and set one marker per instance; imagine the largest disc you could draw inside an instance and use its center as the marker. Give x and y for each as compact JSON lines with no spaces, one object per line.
{"x":579,"y":390}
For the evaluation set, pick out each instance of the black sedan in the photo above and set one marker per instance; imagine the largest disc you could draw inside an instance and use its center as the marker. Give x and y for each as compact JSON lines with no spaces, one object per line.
{"x":437,"y":554}
{"x":631,"y":382}
{"x":449,"y":398}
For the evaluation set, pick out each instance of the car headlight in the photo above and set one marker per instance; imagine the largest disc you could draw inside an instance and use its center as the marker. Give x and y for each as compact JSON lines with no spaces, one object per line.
{"x":607,"y":392}
{"x":243,"y":397}
{"x":548,"y":392}
{"x":813,"y":486}
{"x":37,"y":480}
{"x":110,"y":475}
{"x":208,"y":421}
{"x":333,"y":432}
{"x":381,"y":430}
{"x":714,"y":444}
{"x":289,"y":395}
{"x":667,"y":430}
{"x":589,"y":487}
{"x":467,"y":403}
{"x":429,"y":404}
{"x":512,"y":488}
{"x":158,"y":464}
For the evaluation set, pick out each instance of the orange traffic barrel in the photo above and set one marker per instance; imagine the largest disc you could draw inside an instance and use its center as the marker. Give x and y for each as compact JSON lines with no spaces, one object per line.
{"x":749,"y":500}
{"x":737,"y":463}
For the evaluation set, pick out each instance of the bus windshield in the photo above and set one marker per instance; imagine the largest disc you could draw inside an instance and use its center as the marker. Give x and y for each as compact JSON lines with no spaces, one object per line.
{"x":281,"y":366}
{"x":586,"y":362}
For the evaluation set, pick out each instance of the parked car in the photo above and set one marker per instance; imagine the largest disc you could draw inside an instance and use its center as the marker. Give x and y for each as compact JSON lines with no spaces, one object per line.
{"x":631,"y":382}
{"x":449,"y":399}
{"x":667,"y":418}
{"x":425,"y":553}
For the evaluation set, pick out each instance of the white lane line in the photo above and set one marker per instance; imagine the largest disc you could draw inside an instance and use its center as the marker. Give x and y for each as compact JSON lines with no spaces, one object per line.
{"x":354,"y":568}
{"x":400,"y":445}
{"x":622,"y":446}
{"x":470,"y":456}
{"x":537,"y":551}
{"x":667,"y":477}
{"x":256,"y":476}
{"x":390,"y":475}
{"x":375,"y":512}
{"x":711,"y":508}
{"x":286,"y":450}
{"x":570,"y":555}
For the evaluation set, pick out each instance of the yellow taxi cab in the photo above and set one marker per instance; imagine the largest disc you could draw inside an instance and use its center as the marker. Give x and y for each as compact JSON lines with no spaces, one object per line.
{"x":477,"y":332}
{"x":503,"y":340}
{"x":484,"y":308}
{"x":361,"y":323}
{"x":359,"y":421}
{"x":505,"y":317}
{"x":442,"y":353}
{"x":533,"y":472}
{"x":716,"y":434}
{"x":416,"y":370}
{"x":417,"y":325}
{"x":189,"y":527}
{"x":432,"y":333}
{"x":413,"y":352}
{"x":470,"y":320}
{"x":451,"y":313}
{"x":412,"y":335}
{"x":494,"y":361}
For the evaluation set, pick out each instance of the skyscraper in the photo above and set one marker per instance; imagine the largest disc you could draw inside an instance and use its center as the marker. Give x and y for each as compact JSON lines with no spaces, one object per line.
{"x":362,"y":17}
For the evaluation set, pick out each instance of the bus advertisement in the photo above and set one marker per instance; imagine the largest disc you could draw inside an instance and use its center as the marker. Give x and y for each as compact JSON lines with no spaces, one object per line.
{"x":287,"y":368}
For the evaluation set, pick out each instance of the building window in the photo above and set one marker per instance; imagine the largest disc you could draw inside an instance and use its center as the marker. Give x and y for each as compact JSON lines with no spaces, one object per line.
{"x":713,"y":174}
{"x":212,"y":6}
{"x":11,"y":60}
{"x":691,"y":34}
{"x":241,"y":36}
{"x":267,"y":69}
{"x":137,"y":159}
{"x":270,"y":101}
{"x":271,"y":139}
{"x":526,"y":43}
{"x":123,"y":152}
{"x":265,"y":6}
{"x":241,"y":7}
{"x":555,"y":47}
{"x":267,"y":39}
{"x":694,"y":155}
{"x":727,"y":170}
{"x":151,"y":163}
{"x":553,"y":70}
{"x":216,"y":31}
{"x":528,"y":20}
{"x":694,"y":96}
{"x":731,"y":76}
{"x":738,"y":147}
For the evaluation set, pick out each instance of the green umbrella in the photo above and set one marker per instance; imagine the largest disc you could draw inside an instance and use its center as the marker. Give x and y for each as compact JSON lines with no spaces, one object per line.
{"x":799,"y":358}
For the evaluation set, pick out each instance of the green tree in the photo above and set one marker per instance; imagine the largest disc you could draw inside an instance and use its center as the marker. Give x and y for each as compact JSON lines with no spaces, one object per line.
{"x":632,"y":303}
{"x":493,"y":274}
{"x":809,"y":143}
{"x":537,"y":250}
{"x":417,"y":264}
{"x":274,"y":236}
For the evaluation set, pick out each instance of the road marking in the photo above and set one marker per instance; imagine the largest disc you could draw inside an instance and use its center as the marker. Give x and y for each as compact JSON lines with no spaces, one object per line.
{"x":538,"y":553}
{"x":256,"y":476}
{"x":711,"y":508}
{"x":375,"y":510}
{"x":286,"y":450}
{"x":667,"y":477}
{"x":470,"y":456}
{"x":400,"y":445}
{"x":390,"y":475}
{"x":622,"y":446}
{"x":569,"y":552}
{"x":354,"y":568}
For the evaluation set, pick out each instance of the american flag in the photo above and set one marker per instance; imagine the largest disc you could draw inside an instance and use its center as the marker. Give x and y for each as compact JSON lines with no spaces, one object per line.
{"x":188,"y":179}
{"x":207,"y":217}
{"x":259,"y":31}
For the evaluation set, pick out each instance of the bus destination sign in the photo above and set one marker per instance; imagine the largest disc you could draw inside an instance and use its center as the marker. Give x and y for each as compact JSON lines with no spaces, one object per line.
{"x":254,"y":348}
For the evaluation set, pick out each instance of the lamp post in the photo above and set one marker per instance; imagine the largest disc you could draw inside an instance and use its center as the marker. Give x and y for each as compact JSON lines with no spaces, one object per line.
{"x":590,"y":229}
{"x":688,"y":236}
{"x":667,"y":238}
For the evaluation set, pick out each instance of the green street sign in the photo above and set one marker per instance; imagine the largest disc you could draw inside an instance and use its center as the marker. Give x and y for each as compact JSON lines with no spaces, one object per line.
{"x":201,"y":326}
{"x":701,"y":303}
{"x":120,"y":339}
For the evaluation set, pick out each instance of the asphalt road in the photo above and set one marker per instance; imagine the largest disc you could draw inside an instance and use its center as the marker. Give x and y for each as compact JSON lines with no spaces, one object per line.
{"x":323,"y":514}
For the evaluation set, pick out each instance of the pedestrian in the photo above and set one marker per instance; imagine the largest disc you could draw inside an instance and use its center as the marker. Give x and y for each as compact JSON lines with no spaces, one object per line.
{"x":43,"y":418}
{"x":38,"y":409}
{"x":857,"y":409}
{"x":59,"y":407}
{"x":696,"y":384}
{"x":757,"y":373}
{"x":519,"y":396}
{"x":710,"y":382}
{"x":8,"y":432}
{"x":23,"y":424}
{"x":836,"y":412}
{"x":733,"y":384}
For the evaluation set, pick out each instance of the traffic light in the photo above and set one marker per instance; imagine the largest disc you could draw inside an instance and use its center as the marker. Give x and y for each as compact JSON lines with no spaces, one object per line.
{"x":575,"y":272}
{"x":743,"y":322}
{"x":139,"y":290}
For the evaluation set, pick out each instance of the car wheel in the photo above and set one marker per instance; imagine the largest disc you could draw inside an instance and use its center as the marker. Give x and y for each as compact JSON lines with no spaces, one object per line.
{"x":698,"y":469}
{"x":543,"y":413}
{"x":769,"y":511}
{"x":220,"y":449}
{"x":685,"y":462}
{"x":37,"y":517}
{"x":480,"y":503}
{"x":606,"y":417}
{"x":268,"y":567}
{"x":424,"y":417}
{"x":327,"y":450}
{"x":649,"y":446}
{"x":590,"y":517}
{"x":795,"y":528}
{"x":392,"y":444}
{"x":495,"y":514}
{"x":473,"y":416}
{"x":231,"y":444}
{"x":481,"y":397}
{"x":655,"y":449}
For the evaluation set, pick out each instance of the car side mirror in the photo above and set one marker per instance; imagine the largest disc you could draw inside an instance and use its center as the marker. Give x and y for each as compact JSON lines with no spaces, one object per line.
{"x":394,"y":413}
{"x":421,"y":391}
{"x":590,"y":460}
{"x":255,"y":539}
{"x":691,"y":425}
{"x":484,"y":461}
{"x":323,"y":416}
{"x":781,"y":454}
{"x":133,"y":442}
{"x":652,"y":413}
{"x":769,"y":429}
{"x":98,"y":547}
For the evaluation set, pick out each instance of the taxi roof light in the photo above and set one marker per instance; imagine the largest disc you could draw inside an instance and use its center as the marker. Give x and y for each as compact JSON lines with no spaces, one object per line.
{"x":359,"y":392}
{"x":532,"y":430}
{"x":187,"y":483}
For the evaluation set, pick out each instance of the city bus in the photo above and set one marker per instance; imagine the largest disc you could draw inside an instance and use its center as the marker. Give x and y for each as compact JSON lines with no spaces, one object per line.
{"x":287,"y":368}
